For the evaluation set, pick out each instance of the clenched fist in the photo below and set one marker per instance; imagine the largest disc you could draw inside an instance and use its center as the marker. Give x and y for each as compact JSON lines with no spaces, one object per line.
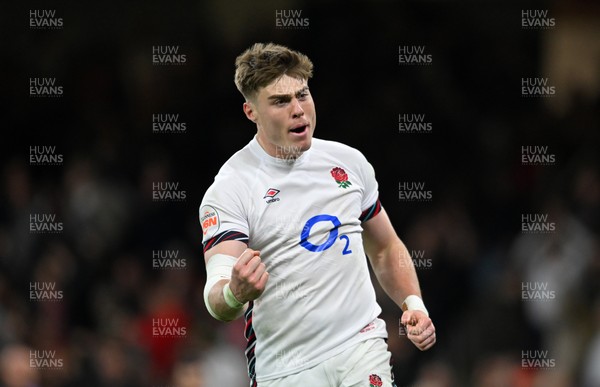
{"x":419,"y":329}
{"x":248,"y":277}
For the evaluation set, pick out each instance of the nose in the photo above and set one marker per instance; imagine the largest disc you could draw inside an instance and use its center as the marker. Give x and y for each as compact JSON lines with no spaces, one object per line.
{"x":297,"y":110}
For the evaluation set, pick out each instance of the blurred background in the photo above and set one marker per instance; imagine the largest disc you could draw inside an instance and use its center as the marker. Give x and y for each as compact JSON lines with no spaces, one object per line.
{"x":101,"y":265}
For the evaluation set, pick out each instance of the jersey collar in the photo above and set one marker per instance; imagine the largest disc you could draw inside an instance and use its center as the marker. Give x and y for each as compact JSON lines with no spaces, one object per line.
{"x":258,"y":150}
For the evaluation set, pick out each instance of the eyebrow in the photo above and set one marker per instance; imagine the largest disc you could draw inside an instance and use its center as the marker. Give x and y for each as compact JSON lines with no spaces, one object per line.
{"x":287,"y":97}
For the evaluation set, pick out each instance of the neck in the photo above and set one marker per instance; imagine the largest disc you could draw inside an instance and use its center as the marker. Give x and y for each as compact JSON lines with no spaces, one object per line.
{"x":280,"y":152}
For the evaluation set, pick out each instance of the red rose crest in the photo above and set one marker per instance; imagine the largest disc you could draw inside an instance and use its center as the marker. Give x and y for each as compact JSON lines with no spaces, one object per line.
{"x":375,"y":381}
{"x":341,"y":177}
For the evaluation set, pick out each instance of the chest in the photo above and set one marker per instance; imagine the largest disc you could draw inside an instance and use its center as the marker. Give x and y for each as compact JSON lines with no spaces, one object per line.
{"x":284,"y":204}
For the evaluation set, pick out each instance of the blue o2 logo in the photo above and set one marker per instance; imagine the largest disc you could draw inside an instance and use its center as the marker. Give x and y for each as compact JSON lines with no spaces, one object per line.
{"x":333,"y":234}
{"x":309,"y":225}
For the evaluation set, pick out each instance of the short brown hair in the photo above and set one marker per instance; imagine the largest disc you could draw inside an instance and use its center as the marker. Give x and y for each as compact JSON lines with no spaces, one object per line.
{"x":263,"y":63}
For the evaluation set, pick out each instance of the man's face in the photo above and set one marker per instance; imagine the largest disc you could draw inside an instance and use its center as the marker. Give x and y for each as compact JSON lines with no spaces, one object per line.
{"x":284,"y":113}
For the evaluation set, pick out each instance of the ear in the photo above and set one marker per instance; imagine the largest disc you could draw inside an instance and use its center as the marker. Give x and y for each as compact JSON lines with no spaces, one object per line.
{"x":249,"y":111}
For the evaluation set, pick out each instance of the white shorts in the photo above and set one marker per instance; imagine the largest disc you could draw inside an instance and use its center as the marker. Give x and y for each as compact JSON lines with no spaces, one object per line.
{"x":367,"y":364}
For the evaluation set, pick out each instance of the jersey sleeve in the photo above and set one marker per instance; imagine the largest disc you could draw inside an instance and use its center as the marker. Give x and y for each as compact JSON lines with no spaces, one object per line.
{"x":222,"y":216}
{"x":370,"y":204}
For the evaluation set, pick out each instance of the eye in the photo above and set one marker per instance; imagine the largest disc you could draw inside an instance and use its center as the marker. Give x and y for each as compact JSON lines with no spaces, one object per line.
{"x":302,"y":96}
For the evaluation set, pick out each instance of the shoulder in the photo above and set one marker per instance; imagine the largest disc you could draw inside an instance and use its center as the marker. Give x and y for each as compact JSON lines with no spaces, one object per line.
{"x":242,"y":165}
{"x":235,"y":173}
{"x":336,"y":148}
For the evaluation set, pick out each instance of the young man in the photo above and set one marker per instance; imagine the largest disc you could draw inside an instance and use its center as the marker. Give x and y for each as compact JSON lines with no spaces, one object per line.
{"x":286,"y":224}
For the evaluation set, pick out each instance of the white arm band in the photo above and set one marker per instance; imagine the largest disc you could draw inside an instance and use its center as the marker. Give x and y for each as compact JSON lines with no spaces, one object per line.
{"x":218,"y":268}
{"x":414,"y":302}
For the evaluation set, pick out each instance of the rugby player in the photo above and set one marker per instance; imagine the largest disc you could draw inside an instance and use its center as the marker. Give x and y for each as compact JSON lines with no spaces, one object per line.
{"x":286,"y":227}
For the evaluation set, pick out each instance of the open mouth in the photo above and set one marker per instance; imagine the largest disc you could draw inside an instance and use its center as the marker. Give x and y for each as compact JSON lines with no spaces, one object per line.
{"x":299,"y":129}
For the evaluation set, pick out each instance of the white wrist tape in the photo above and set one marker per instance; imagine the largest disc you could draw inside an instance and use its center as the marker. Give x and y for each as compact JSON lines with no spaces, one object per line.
{"x":230,"y":298}
{"x":414,"y":302}
{"x":218,"y":268}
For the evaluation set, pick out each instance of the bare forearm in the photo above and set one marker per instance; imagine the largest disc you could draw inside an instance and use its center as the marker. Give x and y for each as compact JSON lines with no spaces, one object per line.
{"x":395,"y":272}
{"x":218,"y":304}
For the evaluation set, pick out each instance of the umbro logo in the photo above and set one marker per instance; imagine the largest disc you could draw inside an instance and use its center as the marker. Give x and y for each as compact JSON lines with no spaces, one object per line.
{"x":270,"y":195}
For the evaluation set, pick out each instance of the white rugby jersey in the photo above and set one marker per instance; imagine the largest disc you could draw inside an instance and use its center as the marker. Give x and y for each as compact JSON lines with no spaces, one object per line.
{"x":305,"y":218}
